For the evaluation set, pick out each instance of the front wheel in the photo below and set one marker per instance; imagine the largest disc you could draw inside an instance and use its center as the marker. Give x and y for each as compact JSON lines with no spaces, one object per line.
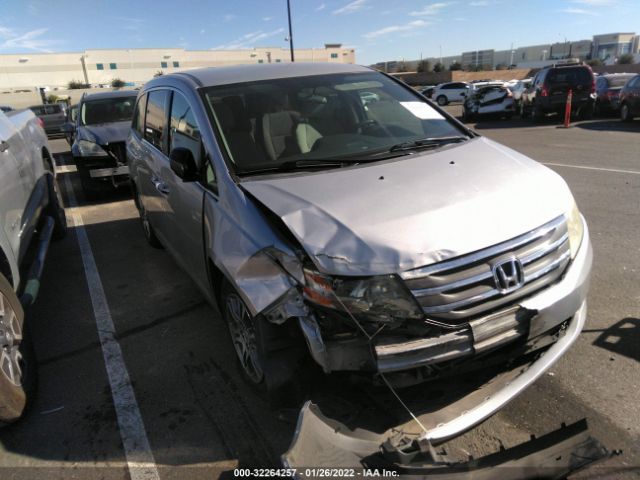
{"x":442,"y":100}
{"x":266,"y":358}
{"x":17,"y":362}
{"x":147,"y":228}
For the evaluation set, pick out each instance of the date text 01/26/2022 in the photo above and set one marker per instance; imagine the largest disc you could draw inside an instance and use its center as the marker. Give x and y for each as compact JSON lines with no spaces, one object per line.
{"x":314,"y":472}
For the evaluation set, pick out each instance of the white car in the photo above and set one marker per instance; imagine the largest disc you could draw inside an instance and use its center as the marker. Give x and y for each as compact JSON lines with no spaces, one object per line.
{"x":30,"y":216}
{"x":520,"y":87}
{"x":451,"y":92}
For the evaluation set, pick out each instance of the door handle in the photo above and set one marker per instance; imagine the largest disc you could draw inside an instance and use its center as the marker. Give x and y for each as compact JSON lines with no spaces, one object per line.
{"x":4,"y":146}
{"x":162,"y":187}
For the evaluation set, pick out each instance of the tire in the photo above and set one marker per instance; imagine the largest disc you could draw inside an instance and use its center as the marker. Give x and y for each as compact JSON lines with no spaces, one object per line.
{"x":586,"y":112}
{"x":263,"y":357}
{"x":536,"y":114}
{"x":597,"y":109}
{"x":147,"y":228}
{"x":442,"y":100}
{"x":625,"y":113}
{"x":18,"y":376}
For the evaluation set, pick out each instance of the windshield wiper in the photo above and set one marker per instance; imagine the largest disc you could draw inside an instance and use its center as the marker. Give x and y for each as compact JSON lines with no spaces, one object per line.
{"x":308,"y":163}
{"x":429,"y":142}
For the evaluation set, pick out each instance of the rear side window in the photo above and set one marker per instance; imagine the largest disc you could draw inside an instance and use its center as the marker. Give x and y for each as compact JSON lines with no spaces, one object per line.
{"x":37,"y":110}
{"x":572,"y":76}
{"x":155,"y":121}
{"x":138,"y":116}
{"x":183,"y":128}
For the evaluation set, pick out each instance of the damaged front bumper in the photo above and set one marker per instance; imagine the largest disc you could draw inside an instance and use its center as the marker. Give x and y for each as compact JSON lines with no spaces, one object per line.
{"x":321,"y":443}
{"x":551,"y":319}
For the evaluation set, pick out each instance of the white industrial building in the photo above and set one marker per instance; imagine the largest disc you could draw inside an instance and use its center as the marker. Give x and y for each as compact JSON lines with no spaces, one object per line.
{"x":138,"y":65}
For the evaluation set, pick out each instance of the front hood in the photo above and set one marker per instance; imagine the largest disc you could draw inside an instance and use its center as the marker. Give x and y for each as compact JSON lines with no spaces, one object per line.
{"x":398,"y":215}
{"x":105,"y":133}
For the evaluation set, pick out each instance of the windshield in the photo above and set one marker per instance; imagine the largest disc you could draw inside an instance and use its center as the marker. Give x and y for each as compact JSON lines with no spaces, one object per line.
{"x":267,"y":123}
{"x":107,"y":110}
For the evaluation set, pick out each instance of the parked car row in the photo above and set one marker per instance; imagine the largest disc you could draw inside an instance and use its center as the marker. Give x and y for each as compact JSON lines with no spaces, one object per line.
{"x":545,"y":94}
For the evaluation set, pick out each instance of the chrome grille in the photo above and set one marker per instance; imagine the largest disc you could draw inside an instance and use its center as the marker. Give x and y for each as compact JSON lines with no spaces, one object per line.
{"x":457,"y":290}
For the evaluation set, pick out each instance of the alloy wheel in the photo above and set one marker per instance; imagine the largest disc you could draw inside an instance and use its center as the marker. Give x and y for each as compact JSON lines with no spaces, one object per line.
{"x":243,"y":335}
{"x":11,"y":361}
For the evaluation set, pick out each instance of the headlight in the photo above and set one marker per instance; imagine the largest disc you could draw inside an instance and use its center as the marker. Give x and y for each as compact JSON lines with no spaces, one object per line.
{"x":89,"y":149}
{"x":382,"y":298}
{"x":575,"y":228}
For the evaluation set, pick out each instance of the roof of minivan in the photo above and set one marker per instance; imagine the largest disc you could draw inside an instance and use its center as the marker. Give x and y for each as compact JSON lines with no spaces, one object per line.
{"x":250,"y":73}
{"x":111,"y":94}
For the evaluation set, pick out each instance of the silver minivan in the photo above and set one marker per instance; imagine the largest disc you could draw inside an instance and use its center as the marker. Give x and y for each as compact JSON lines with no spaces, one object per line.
{"x":378,"y":237}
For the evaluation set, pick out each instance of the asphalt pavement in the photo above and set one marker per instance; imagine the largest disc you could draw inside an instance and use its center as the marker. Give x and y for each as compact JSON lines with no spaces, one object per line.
{"x":200,"y":420}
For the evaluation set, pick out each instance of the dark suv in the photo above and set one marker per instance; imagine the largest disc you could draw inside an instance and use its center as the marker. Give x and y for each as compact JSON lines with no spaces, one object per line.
{"x":99,"y":129}
{"x":550,"y":87}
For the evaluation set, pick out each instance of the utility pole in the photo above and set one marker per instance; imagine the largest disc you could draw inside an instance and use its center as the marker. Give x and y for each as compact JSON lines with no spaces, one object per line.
{"x":290,"y":30}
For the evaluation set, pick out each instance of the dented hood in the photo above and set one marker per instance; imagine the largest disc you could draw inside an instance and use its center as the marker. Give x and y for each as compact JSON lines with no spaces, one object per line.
{"x":405,"y":213}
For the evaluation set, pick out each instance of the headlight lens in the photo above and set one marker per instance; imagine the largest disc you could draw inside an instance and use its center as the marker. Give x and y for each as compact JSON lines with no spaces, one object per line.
{"x":575,"y":228}
{"x":381,"y":298}
{"x":90,"y":149}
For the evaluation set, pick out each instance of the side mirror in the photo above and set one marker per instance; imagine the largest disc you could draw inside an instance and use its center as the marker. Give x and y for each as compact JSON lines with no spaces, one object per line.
{"x":183,"y":164}
{"x":463,"y":94}
{"x":68,"y":127}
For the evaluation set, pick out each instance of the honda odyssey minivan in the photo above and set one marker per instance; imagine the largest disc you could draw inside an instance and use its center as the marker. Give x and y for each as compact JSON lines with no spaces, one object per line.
{"x":382,"y":238}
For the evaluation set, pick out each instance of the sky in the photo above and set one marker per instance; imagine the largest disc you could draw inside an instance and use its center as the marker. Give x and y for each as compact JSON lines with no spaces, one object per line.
{"x":379,"y":30}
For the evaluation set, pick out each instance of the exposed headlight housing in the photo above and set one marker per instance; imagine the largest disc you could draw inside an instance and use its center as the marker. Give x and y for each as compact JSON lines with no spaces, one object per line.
{"x":86,"y":148}
{"x":575,"y":227}
{"x":381,"y":298}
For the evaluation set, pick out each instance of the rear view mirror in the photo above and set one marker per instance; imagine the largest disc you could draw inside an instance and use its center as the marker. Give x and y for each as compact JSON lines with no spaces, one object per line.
{"x":68,"y":127}
{"x":183,"y":164}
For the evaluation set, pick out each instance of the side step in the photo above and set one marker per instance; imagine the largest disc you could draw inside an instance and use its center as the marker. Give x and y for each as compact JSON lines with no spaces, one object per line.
{"x":32,"y":284}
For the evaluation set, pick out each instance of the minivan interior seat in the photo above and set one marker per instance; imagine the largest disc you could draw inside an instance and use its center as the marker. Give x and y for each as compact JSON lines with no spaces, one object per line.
{"x":239,"y":139}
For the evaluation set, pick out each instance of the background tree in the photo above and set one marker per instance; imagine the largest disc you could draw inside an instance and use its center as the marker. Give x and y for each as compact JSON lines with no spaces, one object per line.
{"x":455,"y":66}
{"x":626,"y":59}
{"x":402,"y":67}
{"x":75,"y":84}
{"x":501,"y":66}
{"x":117,"y":83}
{"x":424,"y":66}
{"x":595,"y":62}
{"x":438,"y":67}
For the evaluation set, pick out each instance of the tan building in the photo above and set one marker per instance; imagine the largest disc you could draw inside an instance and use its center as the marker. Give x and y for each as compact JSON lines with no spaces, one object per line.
{"x":98,"y":67}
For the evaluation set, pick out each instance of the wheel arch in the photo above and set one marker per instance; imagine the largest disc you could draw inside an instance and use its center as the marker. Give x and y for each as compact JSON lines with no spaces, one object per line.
{"x":5,"y":268}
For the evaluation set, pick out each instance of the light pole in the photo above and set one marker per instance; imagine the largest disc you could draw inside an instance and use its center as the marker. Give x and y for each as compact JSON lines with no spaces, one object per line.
{"x":290,"y":30}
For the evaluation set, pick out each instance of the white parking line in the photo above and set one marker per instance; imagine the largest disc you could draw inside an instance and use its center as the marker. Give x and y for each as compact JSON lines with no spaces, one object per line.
{"x":584,"y":167}
{"x":137,"y":450}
